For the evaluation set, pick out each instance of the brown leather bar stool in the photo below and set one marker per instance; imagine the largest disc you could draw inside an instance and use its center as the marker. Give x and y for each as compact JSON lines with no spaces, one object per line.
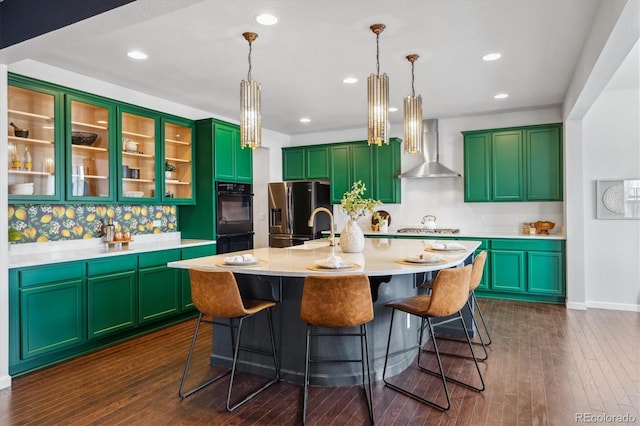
{"x":476,"y":276}
{"x":449,"y":294}
{"x":215,"y":294}
{"x":337,"y":301}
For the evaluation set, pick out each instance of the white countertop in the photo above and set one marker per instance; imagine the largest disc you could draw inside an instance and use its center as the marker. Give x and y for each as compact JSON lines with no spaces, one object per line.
{"x":393,"y":232}
{"x":378,"y":258}
{"x":31,"y":254}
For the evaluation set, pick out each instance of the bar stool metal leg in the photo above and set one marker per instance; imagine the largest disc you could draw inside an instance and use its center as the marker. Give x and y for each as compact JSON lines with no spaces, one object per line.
{"x":235,"y":363}
{"x":181,"y":393}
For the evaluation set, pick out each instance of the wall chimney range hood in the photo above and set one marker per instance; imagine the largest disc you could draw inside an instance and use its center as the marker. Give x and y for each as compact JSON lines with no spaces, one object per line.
{"x":431,"y":167}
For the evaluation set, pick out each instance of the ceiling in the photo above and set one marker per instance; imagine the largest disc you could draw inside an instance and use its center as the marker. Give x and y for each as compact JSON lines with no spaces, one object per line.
{"x":197,"y":55}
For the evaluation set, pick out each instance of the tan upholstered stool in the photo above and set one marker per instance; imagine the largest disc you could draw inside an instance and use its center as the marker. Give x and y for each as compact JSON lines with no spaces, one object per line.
{"x":472,"y":303}
{"x":337,"y":301}
{"x":216,"y":294}
{"x":449,"y":294}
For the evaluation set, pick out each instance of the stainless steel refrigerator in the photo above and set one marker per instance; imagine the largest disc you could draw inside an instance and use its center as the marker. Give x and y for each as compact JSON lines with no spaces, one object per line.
{"x":290,"y":205}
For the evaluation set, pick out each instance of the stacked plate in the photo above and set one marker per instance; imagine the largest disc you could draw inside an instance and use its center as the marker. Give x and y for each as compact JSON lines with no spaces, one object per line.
{"x":21,"y":189}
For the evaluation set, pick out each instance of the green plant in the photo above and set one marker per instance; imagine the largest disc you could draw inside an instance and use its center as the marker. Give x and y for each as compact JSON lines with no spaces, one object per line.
{"x":168,"y":167}
{"x":354,"y":205}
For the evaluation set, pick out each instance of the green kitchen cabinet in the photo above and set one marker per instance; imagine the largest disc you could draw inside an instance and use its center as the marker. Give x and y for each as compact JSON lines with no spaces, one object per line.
{"x":526,"y":269}
{"x":293,"y":163}
{"x":159,"y":286}
{"x":386,"y":163}
{"x":192,"y":253}
{"x":76,"y":141}
{"x":317,"y":162}
{"x":345,"y":163}
{"x":137,"y":148}
{"x":543,"y":149}
{"x":232,"y":163}
{"x":111,"y":295}
{"x":477,"y":167}
{"x":37,"y":108}
{"x":340,"y":172}
{"x":51,"y":301}
{"x":545,"y":273}
{"x":178,"y":140}
{"x":305,"y":163}
{"x":514,"y":164}
{"x":507,"y":166}
{"x":350,"y":162}
{"x":90,"y":169}
{"x":531,"y":269}
{"x":507,"y":270}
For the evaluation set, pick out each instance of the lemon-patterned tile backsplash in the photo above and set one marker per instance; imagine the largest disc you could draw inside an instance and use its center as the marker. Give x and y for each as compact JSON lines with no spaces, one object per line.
{"x":58,"y":222}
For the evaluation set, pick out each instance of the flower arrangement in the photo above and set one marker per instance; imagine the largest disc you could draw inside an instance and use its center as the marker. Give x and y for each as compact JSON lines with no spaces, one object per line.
{"x":354,"y":205}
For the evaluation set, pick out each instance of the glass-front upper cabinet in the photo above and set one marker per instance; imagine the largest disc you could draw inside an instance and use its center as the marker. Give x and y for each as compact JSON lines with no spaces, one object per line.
{"x":138,"y":165}
{"x":178,"y":161}
{"x":90,"y":166}
{"x":34,"y":142}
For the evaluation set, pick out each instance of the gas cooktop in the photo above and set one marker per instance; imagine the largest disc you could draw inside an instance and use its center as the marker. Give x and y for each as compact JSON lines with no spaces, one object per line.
{"x":429,"y":231}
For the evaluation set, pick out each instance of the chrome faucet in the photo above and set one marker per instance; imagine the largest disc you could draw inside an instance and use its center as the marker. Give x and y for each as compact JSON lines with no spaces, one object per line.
{"x":327,"y":211}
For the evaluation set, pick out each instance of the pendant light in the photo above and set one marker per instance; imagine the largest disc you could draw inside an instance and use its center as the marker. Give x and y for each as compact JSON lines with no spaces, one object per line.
{"x":250,"y":106}
{"x":412,"y":117}
{"x":378,"y":98}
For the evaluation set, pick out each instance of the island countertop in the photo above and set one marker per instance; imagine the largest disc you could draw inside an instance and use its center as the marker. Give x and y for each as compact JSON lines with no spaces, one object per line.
{"x":379,"y":258}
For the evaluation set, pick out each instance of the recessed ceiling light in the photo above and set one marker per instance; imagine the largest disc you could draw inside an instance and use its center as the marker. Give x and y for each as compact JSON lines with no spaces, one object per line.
{"x":393,"y":109}
{"x":350,"y":80}
{"x":491,"y":56}
{"x":136,"y":54}
{"x":305,"y":120}
{"x":501,"y":96}
{"x":266,"y":19}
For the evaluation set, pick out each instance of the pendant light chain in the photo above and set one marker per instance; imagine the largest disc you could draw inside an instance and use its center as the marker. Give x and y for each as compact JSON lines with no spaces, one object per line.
{"x":413,"y":91}
{"x":249,"y":72}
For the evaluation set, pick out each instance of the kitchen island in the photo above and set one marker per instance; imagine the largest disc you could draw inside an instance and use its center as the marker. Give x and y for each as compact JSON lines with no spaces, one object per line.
{"x":279,"y":275}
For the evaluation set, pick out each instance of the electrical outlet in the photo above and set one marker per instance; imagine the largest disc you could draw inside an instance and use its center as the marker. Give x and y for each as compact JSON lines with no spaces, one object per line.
{"x":157,"y":223}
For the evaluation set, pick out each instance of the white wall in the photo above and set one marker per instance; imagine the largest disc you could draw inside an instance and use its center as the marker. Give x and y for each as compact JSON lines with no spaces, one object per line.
{"x":612,"y":247}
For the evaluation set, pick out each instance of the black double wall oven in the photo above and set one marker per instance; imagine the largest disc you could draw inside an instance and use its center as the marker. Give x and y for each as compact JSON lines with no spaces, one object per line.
{"x":234,"y":217}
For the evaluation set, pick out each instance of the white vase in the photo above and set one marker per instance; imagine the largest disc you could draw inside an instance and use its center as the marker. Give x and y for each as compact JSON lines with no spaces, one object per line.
{"x":351,"y":237}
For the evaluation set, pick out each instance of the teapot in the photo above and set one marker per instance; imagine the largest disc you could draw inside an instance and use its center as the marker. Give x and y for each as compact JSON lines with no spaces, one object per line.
{"x":429,"y":222}
{"x":130,"y":145}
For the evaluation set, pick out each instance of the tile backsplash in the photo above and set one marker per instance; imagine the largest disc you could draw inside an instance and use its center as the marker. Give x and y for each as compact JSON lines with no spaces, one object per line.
{"x":58,"y":222}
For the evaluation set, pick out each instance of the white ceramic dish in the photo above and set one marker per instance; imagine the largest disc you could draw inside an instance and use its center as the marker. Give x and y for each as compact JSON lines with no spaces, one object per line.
{"x":447,"y":247}
{"x":324,"y":263}
{"x":423,"y":258}
{"x":134,"y":194}
{"x":242,"y":262}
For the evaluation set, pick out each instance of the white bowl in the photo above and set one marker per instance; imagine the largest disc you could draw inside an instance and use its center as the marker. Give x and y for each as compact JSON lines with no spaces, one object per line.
{"x":134,"y":194}
{"x":22,"y":185}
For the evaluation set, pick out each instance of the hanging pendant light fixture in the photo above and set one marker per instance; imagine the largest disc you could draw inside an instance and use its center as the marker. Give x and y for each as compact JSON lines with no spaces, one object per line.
{"x":250,"y":106}
{"x":378,"y":98}
{"x":412,"y":117}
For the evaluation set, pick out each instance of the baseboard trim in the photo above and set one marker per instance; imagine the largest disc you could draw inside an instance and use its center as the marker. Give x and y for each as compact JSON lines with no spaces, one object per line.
{"x":5,"y":381}
{"x":613,"y":306}
{"x":576,"y":305}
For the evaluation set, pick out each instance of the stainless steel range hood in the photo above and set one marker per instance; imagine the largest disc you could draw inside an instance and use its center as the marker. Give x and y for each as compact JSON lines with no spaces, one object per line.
{"x":431,"y":167}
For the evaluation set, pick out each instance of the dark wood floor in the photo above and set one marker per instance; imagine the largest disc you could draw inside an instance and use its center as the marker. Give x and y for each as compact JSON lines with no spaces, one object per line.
{"x":546,"y":365}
